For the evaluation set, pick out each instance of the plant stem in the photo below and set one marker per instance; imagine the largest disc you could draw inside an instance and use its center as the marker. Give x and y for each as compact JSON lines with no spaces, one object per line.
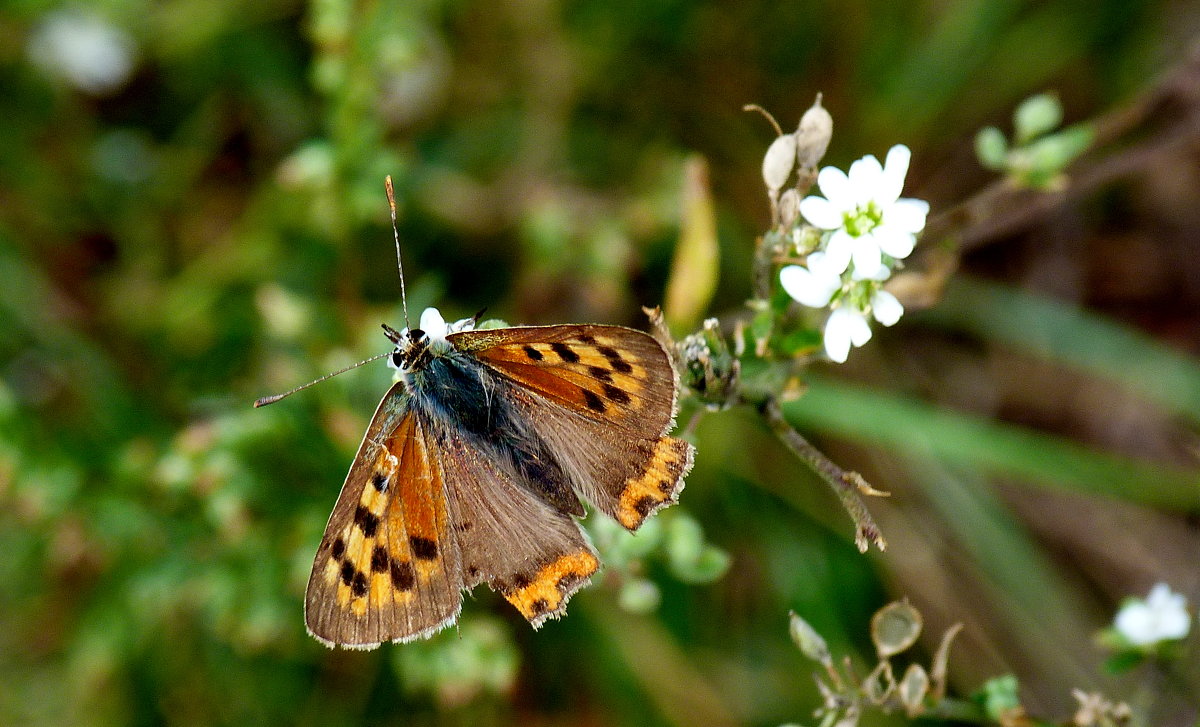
{"x":846,"y":485}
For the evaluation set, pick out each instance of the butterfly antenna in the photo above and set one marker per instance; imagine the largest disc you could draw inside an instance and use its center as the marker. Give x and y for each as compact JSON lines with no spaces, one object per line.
{"x":391,"y":195}
{"x":276,"y":397}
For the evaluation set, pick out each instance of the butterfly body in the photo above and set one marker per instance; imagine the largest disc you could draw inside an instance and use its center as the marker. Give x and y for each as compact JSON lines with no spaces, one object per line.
{"x":475,"y":464}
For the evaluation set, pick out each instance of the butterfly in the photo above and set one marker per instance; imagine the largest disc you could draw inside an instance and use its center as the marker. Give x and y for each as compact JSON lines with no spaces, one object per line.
{"x":474,"y":466}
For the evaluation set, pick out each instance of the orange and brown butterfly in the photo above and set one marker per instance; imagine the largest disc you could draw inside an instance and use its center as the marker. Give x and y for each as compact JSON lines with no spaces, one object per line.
{"x":474,"y":467}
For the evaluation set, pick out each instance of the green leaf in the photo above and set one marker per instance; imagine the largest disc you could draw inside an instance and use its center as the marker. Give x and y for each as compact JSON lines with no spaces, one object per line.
{"x":991,"y":147}
{"x":999,"y":696}
{"x":1035,"y":116}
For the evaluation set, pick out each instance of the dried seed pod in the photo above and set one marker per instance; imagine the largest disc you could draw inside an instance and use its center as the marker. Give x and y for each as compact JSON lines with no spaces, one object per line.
{"x":813,"y":134}
{"x":778,"y":162}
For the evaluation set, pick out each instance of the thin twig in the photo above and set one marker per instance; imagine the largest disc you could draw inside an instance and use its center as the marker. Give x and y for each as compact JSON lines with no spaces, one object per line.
{"x":846,"y":485}
{"x":1002,"y":209}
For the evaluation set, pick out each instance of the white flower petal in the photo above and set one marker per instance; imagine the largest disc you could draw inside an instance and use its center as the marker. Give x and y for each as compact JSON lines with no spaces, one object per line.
{"x":837,"y":253}
{"x":462,"y":324}
{"x":807,"y":287}
{"x":836,"y":187}
{"x":907,"y":214}
{"x":1174,"y":624}
{"x":881,"y":273}
{"x":433,"y":324}
{"x":894,"y":241}
{"x":860,"y":330}
{"x":866,"y":255}
{"x":886,"y":308}
{"x":865,"y":171}
{"x":845,"y":327}
{"x":837,"y":336}
{"x":1136,"y":624}
{"x":895,"y":168}
{"x":821,"y":213}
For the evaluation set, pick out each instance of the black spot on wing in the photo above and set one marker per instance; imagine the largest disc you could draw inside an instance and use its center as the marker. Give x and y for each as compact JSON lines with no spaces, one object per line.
{"x":348,"y":572}
{"x":404,"y":577}
{"x":645,"y":505}
{"x":379,"y":481}
{"x":564,"y":352}
{"x":366,"y":520}
{"x":533,"y":353}
{"x":621,"y":366}
{"x":379,"y":559}
{"x":594,"y":402}
{"x":423,"y":548}
{"x":339,"y":549}
{"x":599,"y":372}
{"x":359,"y":585}
{"x":615,"y":394}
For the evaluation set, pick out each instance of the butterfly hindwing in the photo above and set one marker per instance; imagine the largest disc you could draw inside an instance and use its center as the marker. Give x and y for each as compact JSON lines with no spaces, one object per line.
{"x":387,"y":568}
{"x":603,"y":399}
{"x":531,"y":553}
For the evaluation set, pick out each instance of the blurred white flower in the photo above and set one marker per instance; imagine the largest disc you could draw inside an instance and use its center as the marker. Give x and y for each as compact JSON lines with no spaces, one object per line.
{"x":88,"y":52}
{"x":1162,"y":616}
{"x":866,"y":215}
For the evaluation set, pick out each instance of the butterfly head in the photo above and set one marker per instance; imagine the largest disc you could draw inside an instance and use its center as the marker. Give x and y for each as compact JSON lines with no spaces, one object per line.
{"x":412,"y":344}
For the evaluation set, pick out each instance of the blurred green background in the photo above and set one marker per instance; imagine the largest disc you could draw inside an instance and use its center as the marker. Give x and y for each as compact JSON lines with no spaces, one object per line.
{"x":192,"y":215}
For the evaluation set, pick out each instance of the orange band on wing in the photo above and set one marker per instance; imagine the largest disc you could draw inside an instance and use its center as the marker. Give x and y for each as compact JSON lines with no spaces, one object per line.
{"x":658,"y":485}
{"x":552,"y":585}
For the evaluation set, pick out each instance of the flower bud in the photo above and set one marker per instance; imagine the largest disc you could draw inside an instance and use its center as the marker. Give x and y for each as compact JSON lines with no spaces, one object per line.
{"x":813,"y":134}
{"x":789,"y":208}
{"x":778,"y":162}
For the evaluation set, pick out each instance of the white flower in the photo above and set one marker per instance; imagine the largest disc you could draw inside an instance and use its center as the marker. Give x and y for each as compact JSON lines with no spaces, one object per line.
{"x":866,"y":215}
{"x":815,"y":287}
{"x":436,"y":328}
{"x":1162,"y":616}
{"x":93,"y":55}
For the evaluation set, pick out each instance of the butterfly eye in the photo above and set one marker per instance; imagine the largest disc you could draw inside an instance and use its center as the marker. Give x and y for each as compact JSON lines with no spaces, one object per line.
{"x":416,"y":334}
{"x":397,"y":359}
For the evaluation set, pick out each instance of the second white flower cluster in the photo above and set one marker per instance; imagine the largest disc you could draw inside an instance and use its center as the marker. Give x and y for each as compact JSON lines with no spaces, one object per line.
{"x":867,"y":229}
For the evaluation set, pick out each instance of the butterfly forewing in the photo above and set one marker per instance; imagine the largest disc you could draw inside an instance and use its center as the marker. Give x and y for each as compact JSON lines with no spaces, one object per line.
{"x":387,"y":568}
{"x":608,"y":373}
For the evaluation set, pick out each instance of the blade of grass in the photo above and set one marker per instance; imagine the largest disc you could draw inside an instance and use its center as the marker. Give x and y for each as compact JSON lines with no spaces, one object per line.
{"x":914,"y":428}
{"x":1067,"y":334}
